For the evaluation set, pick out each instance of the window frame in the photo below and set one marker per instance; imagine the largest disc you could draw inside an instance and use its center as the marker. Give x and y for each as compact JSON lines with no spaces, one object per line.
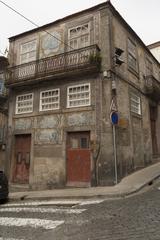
{"x":76,"y":86}
{"x":40,"y":100}
{"x":132,"y":54}
{"x":135,"y":104}
{"x":22,"y":95}
{"x":27,"y":52}
{"x":78,"y":38}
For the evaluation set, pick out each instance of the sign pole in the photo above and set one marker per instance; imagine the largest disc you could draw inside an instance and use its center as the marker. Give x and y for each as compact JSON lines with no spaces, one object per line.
{"x":114,"y":120}
{"x":115,"y":153}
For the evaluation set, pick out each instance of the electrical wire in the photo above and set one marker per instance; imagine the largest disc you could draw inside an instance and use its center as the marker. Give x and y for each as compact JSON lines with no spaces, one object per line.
{"x":33,"y":23}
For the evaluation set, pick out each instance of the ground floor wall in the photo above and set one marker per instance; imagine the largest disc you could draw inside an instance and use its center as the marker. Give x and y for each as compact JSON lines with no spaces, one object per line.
{"x":48,"y":150}
{"x":49,"y":141}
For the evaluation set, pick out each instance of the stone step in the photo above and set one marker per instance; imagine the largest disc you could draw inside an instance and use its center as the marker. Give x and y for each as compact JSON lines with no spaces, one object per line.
{"x":18,"y":187}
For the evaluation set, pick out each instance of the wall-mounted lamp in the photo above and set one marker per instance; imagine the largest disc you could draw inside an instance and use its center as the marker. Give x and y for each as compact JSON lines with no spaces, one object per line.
{"x":117,"y":54}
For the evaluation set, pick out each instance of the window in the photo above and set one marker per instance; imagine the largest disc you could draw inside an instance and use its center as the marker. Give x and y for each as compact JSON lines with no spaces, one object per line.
{"x":149,"y":67}
{"x":135,"y":104}
{"x":78,"y":95}
{"x":1,"y":86}
{"x":132,"y":55}
{"x":79,"y":36}
{"x":28,"y":52}
{"x":49,"y":100}
{"x":24,"y":103}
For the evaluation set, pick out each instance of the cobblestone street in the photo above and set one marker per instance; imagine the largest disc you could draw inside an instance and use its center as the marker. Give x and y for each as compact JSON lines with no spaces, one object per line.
{"x":133,"y":218}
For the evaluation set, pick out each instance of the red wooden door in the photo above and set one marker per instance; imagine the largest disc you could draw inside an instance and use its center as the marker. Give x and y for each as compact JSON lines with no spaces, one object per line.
{"x":22,"y":158}
{"x":78,"y":159}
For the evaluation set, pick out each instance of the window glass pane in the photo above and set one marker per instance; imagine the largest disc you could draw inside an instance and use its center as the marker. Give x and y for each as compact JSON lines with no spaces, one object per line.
{"x":74,"y":142}
{"x":27,"y":158}
{"x":135,"y":103}
{"x":84,"y":142}
{"x":132,"y":55}
{"x":19,"y":157}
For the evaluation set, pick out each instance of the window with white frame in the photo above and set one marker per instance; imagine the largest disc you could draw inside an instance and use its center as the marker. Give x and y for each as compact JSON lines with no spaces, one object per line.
{"x":135,"y":101}
{"x":132,"y":55}
{"x":24,"y":103}
{"x":49,"y":100}
{"x":78,"y":95}
{"x":28,"y":52}
{"x":79,"y":36}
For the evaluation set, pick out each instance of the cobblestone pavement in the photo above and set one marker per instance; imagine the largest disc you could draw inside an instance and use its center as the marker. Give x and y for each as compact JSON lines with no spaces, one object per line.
{"x":134,"y":218}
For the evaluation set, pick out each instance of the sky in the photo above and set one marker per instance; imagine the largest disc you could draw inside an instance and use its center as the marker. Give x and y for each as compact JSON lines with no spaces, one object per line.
{"x":142,"y":15}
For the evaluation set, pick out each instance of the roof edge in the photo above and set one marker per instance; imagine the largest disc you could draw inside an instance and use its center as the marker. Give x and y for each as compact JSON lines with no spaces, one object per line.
{"x":60,"y":20}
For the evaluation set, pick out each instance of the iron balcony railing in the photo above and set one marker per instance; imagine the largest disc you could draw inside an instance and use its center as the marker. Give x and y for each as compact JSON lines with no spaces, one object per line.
{"x":69,"y":61}
{"x":152,"y":87}
{"x":3,"y":92}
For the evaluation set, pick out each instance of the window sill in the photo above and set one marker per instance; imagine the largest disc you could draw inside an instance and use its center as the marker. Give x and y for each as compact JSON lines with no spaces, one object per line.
{"x":58,"y":111}
{"x":136,"y":115}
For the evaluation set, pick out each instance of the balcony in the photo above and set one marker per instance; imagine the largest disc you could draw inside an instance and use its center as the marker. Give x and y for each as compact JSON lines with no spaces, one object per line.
{"x":77,"y":61}
{"x":152,"y":87}
{"x":3,"y":94}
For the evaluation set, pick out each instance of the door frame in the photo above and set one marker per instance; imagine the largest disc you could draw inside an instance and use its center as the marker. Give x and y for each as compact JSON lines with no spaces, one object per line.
{"x":78,"y":184}
{"x":13,"y":159}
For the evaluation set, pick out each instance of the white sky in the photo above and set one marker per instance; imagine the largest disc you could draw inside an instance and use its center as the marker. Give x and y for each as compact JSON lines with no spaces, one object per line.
{"x":142,"y":15}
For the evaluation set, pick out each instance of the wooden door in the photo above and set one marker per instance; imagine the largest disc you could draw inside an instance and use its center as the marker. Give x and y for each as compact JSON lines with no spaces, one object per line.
{"x":22,"y":158}
{"x":153,"y":118}
{"x":78,"y":159}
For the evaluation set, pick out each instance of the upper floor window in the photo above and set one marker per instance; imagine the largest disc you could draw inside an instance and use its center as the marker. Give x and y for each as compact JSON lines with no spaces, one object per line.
{"x":49,"y":100}
{"x":79,"y":36}
{"x":28,"y":52}
{"x":78,"y":95}
{"x":149,"y":67}
{"x":24,"y":103}
{"x":132,"y":55}
{"x":135,"y":101}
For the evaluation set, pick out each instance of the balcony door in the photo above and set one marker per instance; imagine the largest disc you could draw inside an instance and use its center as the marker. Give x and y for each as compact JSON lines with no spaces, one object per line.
{"x":27,"y":58}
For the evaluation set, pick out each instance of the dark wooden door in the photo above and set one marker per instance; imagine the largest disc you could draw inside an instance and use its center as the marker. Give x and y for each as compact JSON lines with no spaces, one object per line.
{"x":22,"y":158}
{"x":78,"y":159}
{"x":153,"y":118}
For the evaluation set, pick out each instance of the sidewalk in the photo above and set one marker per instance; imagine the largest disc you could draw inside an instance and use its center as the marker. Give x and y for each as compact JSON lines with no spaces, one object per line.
{"x":130,"y":184}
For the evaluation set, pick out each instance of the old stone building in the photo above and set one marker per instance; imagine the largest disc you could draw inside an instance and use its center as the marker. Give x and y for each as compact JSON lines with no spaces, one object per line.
{"x":67,"y":80}
{"x":155,"y":49}
{"x":3,"y":112}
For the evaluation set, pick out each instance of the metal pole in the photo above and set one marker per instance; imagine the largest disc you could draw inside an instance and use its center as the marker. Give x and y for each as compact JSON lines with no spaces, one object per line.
{"x":115,"y":153}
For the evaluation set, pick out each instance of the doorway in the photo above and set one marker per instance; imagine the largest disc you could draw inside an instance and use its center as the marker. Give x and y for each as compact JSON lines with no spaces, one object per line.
{"x":22,"y":158}
{"x":78,"y":159}
{"x":153,"y":119}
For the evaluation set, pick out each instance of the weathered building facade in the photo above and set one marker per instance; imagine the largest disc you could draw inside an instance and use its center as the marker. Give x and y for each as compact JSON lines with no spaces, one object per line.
{"x":64,"y":80}
{"x":3,"y":112}
{"x":155,"y":49}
